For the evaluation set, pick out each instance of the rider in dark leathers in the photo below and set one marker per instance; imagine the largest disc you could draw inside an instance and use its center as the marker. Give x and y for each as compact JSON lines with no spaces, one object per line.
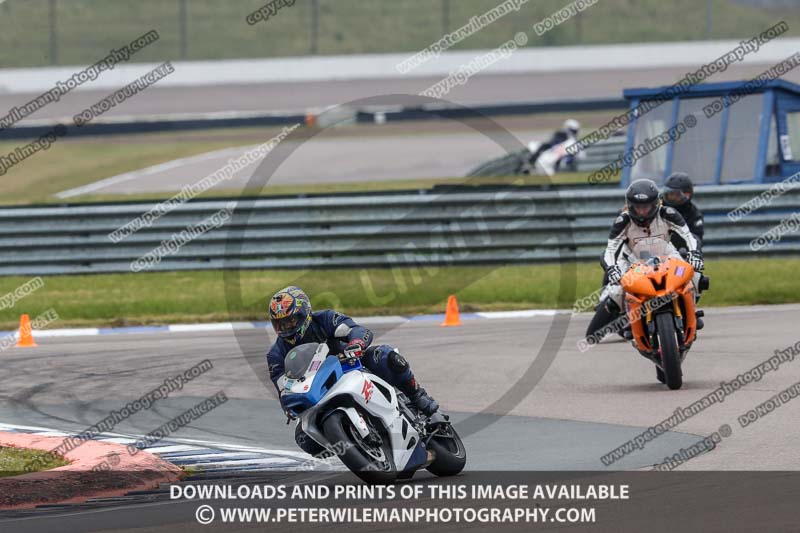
{"x":677,"y":193}
{"x":296,"y":324}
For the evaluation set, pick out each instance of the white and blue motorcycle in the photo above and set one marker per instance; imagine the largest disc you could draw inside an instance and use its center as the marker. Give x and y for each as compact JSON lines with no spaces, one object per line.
{"x":373,"y":428}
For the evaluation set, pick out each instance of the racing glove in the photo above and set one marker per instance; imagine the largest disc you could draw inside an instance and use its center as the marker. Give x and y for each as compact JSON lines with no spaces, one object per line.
{"x":354,"y":349}
{"x":614,"y":274}
{"x":696,"y":260}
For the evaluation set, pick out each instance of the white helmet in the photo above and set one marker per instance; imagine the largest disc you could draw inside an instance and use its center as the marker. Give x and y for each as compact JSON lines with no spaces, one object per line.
{"x":572,"y":125}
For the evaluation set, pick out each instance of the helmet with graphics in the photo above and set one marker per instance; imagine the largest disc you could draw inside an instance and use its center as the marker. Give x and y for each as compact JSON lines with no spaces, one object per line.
{"x":290,"y":313}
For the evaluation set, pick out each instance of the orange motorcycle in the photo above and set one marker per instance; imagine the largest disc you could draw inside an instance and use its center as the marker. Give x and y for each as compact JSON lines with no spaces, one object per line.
{"x":660,"y":306}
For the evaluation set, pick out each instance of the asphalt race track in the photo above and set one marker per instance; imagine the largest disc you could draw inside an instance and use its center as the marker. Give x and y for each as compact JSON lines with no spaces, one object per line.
{"x":481,"y":89}
{"x":585,"y":405}
{"x":374,"y":156}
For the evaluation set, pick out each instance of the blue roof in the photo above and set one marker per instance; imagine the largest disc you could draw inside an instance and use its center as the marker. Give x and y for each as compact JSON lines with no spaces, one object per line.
{"x":708,"y":89}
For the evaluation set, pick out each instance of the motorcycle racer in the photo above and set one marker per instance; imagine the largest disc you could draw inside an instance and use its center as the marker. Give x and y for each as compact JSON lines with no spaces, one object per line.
{"x":677,"y":193}
{"x":568,"y":132}
{"x":643,"y":217}
{"x":295,"y":323}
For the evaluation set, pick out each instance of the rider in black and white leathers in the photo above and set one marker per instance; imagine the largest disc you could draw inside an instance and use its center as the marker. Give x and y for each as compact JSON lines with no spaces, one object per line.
{"x":623,"y":236}
{"x":644,"y":217}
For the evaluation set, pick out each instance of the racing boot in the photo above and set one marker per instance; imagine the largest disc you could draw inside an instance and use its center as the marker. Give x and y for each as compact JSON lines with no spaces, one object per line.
{"x":421,"y":400}
{"x":702,"y":285}
{"x":607,"y":311}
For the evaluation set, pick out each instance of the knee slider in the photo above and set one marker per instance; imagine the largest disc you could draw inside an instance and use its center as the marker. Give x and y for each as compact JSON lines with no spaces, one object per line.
{"x":397,"y":363}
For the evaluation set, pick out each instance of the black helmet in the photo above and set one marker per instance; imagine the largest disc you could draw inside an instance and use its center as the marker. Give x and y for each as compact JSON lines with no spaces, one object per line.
{"x":642,"y":201}
{"x":678,"y":189}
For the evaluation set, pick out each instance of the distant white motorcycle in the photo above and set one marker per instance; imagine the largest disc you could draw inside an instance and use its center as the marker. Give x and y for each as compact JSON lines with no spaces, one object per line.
{"x":548,"y":160}
{"x":373,"y":428}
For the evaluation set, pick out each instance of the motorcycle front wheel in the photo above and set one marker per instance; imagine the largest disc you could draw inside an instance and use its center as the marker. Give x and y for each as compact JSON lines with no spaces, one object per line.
{"x":371,"y":462}
{"x":670,"y":354}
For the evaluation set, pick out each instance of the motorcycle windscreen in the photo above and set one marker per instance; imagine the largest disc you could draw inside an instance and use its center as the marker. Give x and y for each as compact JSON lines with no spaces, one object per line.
{"x":650,"y":247}
{"x":298,"y":359}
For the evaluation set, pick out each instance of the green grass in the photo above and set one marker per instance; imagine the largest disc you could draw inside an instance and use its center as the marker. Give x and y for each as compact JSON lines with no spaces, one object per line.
{"x":86,"y":29}
{"x":72,"y":163}
{"x":358,"y":186}
{"x":171,"y":297}
{"x":14,"y":460}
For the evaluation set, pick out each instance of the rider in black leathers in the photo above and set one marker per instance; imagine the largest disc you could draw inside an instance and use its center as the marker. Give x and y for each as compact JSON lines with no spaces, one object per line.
{"x":677,"y":193}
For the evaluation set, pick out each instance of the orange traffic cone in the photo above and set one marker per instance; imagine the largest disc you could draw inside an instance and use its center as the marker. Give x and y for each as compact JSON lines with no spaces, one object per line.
{"x":25,"y":333}
{"x":451,"y":317}
{"x":311,"y":120}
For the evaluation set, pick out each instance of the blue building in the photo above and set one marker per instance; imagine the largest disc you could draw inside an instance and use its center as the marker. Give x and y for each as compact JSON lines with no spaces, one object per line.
{"x":738,"y":134}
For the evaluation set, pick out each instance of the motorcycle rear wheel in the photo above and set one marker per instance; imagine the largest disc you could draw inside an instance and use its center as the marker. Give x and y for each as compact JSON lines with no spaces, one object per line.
{"x":373,"y":464}
{"x":451,"y":455}
{"x":670,"y":354}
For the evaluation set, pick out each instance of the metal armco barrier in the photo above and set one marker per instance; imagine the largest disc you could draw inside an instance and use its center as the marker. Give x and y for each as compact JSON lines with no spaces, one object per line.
{"x":151,"y":124}
{"x":439,"y":111}
{"x":471,"y":228}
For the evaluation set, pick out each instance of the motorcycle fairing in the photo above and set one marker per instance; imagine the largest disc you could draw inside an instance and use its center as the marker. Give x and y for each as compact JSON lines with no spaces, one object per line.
{"x":646,"y":280}
{"x":311,"y":394}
